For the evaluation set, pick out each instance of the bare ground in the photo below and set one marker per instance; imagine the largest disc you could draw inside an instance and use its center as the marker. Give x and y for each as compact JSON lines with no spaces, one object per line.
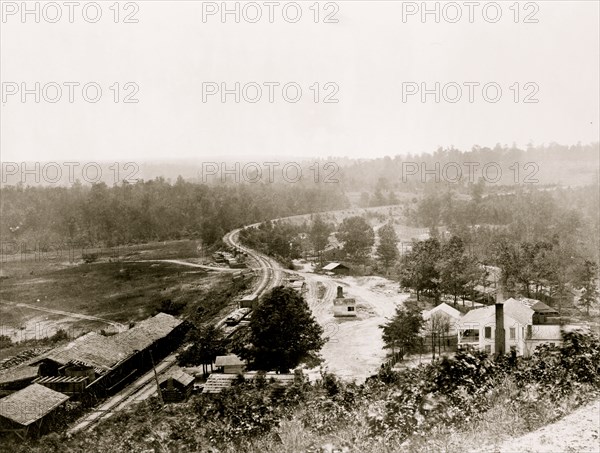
{"x":354,"y":349}
{"x":577,"y":432}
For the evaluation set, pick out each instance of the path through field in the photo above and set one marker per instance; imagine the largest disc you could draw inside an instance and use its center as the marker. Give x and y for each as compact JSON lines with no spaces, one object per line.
{"x":118,"y":326}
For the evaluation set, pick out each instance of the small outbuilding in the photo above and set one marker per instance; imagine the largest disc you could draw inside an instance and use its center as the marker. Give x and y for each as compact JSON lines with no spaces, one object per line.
{"x":343,"y":306}
{"x":337,"y":269}
{"x":30,"y":411}
{"x":231,"y":364}
{"x":176,"y":385}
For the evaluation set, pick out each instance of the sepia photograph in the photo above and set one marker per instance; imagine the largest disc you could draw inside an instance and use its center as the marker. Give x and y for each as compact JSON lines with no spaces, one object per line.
{"x":312,"y":226}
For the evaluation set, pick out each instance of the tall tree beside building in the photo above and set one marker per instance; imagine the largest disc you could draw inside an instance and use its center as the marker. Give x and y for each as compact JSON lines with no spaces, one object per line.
{"x":401,"y":334}
{"x":387,"y":250}
{"x":458,"y":271}
{"x":283,"y":332}
{"x":419,"y":268}
{"x":357,"y":236}
{"x":206,"y":344}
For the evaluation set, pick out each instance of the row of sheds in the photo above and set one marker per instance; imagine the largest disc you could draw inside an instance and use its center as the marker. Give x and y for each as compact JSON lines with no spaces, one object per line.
{"x":91,"y":365}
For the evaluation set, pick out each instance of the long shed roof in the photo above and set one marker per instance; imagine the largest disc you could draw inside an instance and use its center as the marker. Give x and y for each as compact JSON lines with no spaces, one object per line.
{"x":103,"y":352}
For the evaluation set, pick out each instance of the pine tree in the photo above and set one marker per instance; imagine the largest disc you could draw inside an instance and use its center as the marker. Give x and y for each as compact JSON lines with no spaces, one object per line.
{"x":387,"y":250}
{"x":283,"y":332}
{"x":357,"y":236}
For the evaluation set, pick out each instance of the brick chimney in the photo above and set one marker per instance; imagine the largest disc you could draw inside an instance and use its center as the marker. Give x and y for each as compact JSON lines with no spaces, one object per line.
{"x":499,"y":342}
{"x":340,"y":292}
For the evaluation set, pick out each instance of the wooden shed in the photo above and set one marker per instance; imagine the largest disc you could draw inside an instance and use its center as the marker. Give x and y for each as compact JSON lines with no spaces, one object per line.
{"x":176,"y":385}
{"x":30,"y":411}
{"x":231,"y":364}
{"x":337,"y":269}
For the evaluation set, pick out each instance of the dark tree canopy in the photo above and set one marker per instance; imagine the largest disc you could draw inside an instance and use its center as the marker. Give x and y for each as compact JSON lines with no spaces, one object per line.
{"x":206,"y":344}
{"x":283,"y":332}
{"x":387,"y":249}
{"x":357,"y":236}
{"x":401,"y":333}
{"x":319,"y":234}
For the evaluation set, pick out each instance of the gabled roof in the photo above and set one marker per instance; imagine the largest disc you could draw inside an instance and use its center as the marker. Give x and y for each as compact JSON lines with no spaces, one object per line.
{"x":332,"y":266}
{"x":518,"y":311}
{"x":103,"y":353}
{"x":178,"y":375}
{"x":30,"y":404}
{"x":487,"y":315}
{"x":537,"y":305}
{"x":443,"y":308}
{"x":228,"y":360}
{"x":480,"y":316}
{"x":92,"y":349}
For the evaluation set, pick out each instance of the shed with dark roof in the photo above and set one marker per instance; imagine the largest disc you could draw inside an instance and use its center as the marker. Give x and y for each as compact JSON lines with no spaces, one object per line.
{"x":176,"y":385}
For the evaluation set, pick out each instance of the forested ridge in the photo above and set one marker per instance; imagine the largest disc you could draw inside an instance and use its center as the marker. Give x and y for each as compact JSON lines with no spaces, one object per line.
{"x":150,"y":210}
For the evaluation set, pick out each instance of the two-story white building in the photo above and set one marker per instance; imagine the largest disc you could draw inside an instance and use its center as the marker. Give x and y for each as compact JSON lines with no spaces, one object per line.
{"x":518,"y":325}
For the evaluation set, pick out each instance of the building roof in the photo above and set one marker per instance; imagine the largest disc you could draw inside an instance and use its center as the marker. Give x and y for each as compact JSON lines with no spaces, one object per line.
{"x":228,"y":360}
{"x":178,"y":375}
{"x":537,"y":306}
{"x":486,"y":315}
{"x":103,"y":353}
{"x":30,"y":404}
{"x":216,"y":382}
{"x":18,"y":373}
{"x":478,"y":316}
{"x":443,"y":308}
{"x":92,"y":349}
{"x":332,"y":266}
{"x":60,"y":379}
{"x":518,"y":311}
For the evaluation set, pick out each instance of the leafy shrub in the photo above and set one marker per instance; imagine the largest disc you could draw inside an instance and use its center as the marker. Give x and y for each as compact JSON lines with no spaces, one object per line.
{"x":5,"y":342}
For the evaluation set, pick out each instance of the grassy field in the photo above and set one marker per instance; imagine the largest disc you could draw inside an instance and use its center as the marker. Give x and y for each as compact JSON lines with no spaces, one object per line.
{"x":120,"y":290}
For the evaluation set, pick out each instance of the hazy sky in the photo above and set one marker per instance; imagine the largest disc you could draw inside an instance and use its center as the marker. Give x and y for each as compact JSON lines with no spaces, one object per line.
{"x":367,"y":56}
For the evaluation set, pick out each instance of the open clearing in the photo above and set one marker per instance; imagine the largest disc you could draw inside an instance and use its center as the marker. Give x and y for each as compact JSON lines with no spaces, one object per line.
{"x":39,"y":297}
{"x":354,"y":350}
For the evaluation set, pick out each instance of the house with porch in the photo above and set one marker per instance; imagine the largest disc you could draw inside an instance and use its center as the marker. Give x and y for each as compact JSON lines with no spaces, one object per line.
{"x":518,"y":325}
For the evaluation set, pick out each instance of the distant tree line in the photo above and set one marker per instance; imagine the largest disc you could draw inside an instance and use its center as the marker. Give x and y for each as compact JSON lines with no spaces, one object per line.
{"x":151,"y":210}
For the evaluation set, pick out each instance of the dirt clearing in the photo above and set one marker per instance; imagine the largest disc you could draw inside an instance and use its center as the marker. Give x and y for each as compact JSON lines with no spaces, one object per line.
{"x":354,"y":350}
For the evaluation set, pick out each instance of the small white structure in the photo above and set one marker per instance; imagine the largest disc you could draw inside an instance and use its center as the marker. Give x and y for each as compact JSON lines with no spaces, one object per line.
{"x":343,"y":306}
{"x":448,"y":313}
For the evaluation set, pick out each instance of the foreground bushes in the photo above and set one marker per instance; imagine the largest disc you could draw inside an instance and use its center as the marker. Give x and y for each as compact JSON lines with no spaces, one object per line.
{"x":438,"y":407}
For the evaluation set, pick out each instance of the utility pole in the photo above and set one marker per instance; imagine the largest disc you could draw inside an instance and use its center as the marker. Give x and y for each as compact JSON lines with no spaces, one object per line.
{"x":160,"y":398}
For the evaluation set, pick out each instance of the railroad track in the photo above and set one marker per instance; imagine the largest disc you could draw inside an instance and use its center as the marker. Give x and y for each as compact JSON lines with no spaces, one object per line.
{"x":141,"y":389}
{"x":145,"y":386}
{"x":271,"y":271}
